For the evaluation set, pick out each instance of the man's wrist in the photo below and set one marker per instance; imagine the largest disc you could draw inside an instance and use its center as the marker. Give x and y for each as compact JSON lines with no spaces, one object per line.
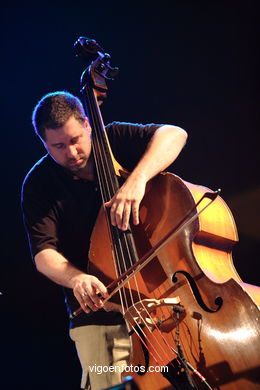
{"x":139,"y":176}
{"x":75,"y":279}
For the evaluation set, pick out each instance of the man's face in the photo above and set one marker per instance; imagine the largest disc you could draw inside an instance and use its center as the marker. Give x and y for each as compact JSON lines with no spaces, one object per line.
{"x":70,"y":145}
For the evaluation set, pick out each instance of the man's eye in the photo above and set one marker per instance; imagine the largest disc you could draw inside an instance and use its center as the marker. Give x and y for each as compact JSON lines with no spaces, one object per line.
{"x":74,"y":141}
{"x":59,"y":146}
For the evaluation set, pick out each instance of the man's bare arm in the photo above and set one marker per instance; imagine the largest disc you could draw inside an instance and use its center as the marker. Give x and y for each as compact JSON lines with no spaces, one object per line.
{"x":163,"y":149}
{"x":57,"y":268}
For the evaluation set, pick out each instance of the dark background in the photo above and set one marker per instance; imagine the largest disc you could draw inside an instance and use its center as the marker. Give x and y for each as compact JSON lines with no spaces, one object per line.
{"x":189,"y":63}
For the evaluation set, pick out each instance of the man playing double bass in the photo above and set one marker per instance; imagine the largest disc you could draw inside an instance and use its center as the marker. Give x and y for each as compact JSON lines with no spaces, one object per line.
{"x":61,"y":201}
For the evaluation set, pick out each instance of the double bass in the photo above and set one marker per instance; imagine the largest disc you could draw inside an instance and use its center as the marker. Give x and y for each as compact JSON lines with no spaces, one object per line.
{"x":193,"y":323}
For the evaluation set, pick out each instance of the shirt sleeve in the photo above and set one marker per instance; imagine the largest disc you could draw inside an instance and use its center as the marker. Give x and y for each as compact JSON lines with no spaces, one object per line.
{"x":129,"y":141}
{"x":39,"y":217}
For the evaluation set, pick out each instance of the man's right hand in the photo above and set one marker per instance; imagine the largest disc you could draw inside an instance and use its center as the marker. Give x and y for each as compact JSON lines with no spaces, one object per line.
{"x":88,"y":291}
{"x":87,"y":288}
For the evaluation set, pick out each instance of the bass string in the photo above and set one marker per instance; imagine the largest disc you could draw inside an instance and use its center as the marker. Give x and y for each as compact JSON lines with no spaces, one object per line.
{"x":160,"y":333}
{"x":120,"y":253}
{"x":101,"y":164}
{"x":107,"y":191}
{"x":107,"y":181}
{"x":156,"y":339}
{"x":108,"y":186}
{"x":167,"y":308}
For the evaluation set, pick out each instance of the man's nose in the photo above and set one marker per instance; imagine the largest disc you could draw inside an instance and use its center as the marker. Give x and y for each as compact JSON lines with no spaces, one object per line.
{"x":72,"y":151}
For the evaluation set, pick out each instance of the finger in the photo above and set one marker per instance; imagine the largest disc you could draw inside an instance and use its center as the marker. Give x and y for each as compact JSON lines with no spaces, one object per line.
{"x":94,"y":291}
{"x":81,"y":301}
{"x":135,"y":212}
{"x":109,"y":203}
{"x":101,"y":288}
{"x":113,"y":211}
{"x":88,"y":301}
{"x":126,"y":216}
{"x":116,"y":212}
{"x":95,"y":295}
{"x":119,"y":214}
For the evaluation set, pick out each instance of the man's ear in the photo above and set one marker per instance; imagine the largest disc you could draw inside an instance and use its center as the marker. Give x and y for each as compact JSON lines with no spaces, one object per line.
{"x":88,"y":126}
{"x":44,"y":142}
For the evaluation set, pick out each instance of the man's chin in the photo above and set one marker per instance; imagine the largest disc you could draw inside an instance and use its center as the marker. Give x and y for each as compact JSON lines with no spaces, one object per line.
{"x":77,"y":168}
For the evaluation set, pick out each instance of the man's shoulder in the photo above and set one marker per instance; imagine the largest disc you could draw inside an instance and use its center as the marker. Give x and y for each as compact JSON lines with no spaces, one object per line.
{"x":39,"y":171}
{"x":119,"y":126}
{"x":130,"y":129}
{"x":129,"y":141}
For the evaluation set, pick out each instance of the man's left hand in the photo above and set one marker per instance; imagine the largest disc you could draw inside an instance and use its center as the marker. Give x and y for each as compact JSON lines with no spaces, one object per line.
{"x":126,"y":202}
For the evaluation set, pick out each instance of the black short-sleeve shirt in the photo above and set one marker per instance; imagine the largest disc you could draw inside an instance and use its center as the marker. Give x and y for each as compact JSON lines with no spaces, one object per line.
{"x":60,"y":211}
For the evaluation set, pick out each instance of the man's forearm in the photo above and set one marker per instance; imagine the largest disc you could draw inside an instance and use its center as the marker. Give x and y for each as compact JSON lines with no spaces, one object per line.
{"x":163,"y":149}
{"x":86,"y":288}
{"x":56,"y":267}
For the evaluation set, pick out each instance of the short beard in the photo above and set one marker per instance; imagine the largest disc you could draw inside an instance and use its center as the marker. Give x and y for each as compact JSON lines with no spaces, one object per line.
{"x":77,"y":168}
